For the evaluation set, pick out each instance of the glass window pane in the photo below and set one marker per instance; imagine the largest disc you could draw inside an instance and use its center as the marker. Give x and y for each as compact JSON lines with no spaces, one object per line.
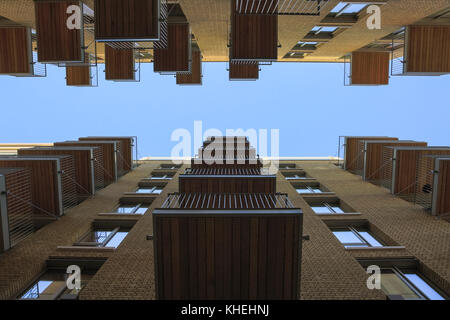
{"x":125,"y":209}
{"x":37,"y":289}
{"x":347,"y":237}
{"x":424,"y":287}
{"x":316,"y":190}
{"x":321,"y":209}
{"x":355,"y":8}
{"x":328,"y":29}
{"x":339,"y":7}
{"x":157,"y":190}
{"x":116,"y":239}
{"x":100,"y":236}
{"x":337,"y":209}
{"x":143,"y":190}
{"x":391,"y":284}
{"x":303,"y":190}
{"x":370,"y":239}
{"x":141,"y":210}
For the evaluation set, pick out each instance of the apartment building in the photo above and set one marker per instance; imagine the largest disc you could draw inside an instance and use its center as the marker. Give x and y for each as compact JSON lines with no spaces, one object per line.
{"x":374,"y":40}
{"x":221,"y":226}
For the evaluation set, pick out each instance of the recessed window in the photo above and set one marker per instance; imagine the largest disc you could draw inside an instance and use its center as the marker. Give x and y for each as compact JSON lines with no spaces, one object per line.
{"x":348,"y":8}
{"x":326,"y":208}
{"x":320,"y":29}
{"x":132,"y":209}
{"x":407,"y":284}
{"x":150,"y":190}
{"x":52,"y":286}
{"x":356,"y":237}
{"x":169,"y":166}
{"x":308,"y":189}
{"x":103,"y":237}
{"x":287,"y":166}
{"x":157,"y":176}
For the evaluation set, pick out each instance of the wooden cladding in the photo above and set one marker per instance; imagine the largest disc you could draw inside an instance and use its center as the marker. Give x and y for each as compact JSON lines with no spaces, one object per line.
{"x":176,"y":58}
{"x":51,"y":191}
{"x":16,"y":212}
{"x":125,"y":158}
{"x":253,"y":36}
{"x":195,"y":76}
{"x":244,"y":71}
{"x":127,"y":19}
{"x":108,"y":165}
{"x":373,"y":158}
{"x":15,"y":50}
{"x":442,"y":205}
{"x":227,"y":184}
{"x":370,"y":68}
{"x":405,"y":168}
{"x":83,"y":161}
{"x":227,"y":257}
{"x":351,"y":150}
{"x":428,"y":49}
{"x":119,"y":64}
{"x":78,"y":76}
{"x":56,"y":42}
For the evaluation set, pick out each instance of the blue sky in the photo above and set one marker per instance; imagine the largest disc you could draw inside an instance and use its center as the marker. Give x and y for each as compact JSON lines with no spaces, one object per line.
{"x":307,"y":102}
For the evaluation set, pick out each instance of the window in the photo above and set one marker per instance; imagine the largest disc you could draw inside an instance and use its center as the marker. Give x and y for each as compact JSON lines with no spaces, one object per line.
{"x":308,"y":189}
{"x":326,"y":208}
{"x":157,"y":176}
{"x":52,"y":286}
{"x":295,"y":176}
{"x":356,"y":237}
{"x":169,"y":166}
{"x":103,"y":237}
{"x":132,"y":209}
{"x":348,"y":8}
{"x":318,"y":29}
{"x":150,"y":190}
{"x":287,"y":166}
{"x":408,"y":284}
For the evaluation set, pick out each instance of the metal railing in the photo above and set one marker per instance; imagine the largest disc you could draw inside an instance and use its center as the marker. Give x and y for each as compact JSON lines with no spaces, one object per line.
{"x":216,"y":201}
{"x":398,"y":63}
{"x":281,"y":7}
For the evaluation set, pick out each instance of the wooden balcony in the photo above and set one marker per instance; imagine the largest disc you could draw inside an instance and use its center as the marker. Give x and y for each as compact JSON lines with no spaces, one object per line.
{"x":244,"y":71}
{"x":15,"y":51}
{"x":427,"y":49}
{"x":370,"y":68}
{"x":127,"y":20}
{"x":195,"y":76}
{"x":88,"y":175}
{"x":177,"y":56}
{"x":126,"y":145}
{"x":254,"y":37}
{"x":56,"y":42}
{"x":250,"y":249}
{"x":53,"y":187}
{"x":371,"y":163}
{"x":119,"y":64}
{"x":108,"y":163}
{"x":351,"y":153}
